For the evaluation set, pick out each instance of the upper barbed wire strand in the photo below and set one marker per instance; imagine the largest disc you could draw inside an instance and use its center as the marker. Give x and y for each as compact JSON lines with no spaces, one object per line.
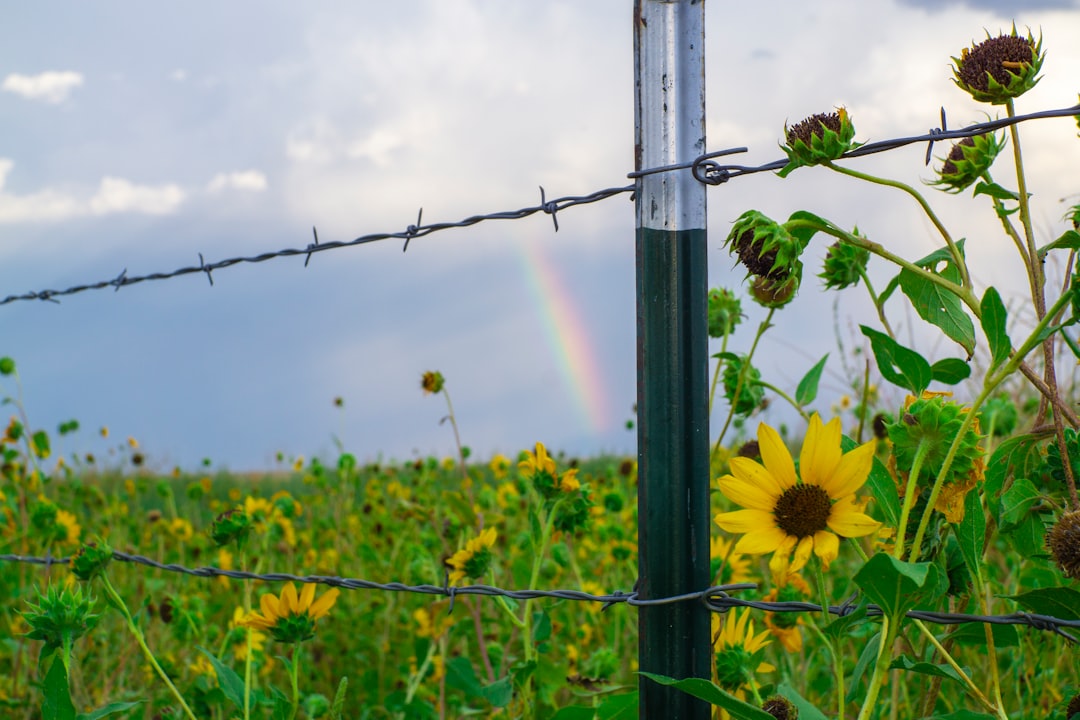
{"x":703,"y":168}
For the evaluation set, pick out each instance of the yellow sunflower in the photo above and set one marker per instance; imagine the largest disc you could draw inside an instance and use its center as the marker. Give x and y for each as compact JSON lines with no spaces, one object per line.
{"x":800,"y":512}
{"x":738,"y":649}
{"x":290,"y":618}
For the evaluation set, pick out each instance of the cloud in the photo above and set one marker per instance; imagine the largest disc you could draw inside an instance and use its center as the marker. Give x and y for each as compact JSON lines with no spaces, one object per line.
{"x":120,"y":195}
{"x":51,"y":87}
{"x":1005,"y":8}
{"x":252,"y":180}
{"x":114,"y":195}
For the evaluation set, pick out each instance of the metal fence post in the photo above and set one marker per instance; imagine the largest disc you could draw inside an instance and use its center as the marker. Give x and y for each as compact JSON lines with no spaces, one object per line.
{"x":672,"y":353}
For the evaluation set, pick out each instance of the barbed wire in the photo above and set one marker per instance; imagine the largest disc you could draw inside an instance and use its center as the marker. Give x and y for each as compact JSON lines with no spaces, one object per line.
{"x":550,"y":207}
{"x":704,"y":169}
{"x":716,"y":599}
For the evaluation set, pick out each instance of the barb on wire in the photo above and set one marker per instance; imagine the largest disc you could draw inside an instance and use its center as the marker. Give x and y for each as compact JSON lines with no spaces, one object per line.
{"x":550,"y":207}
{"x":707,"y":171}
{"x":717,"y":599}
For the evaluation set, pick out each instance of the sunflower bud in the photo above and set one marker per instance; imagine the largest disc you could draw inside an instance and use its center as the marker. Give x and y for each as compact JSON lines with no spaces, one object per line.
{"x":844,"y":265}
{"x":999,"y":68}
{"x":1073,"y":707}
{"x":725,"y":312}
{"x":1063,"y":540}
{"x":968,"y":160}
{"x":818,"y":139}
{"x":763,"y":245}
{"x":61,"y":617}
{"x":780,"y":708}
{"x":776,"y":292}
{"x":91,"y":560}
{"x":232,"y":525}
{"x":751,"y":394}
{"x":432,"y":382}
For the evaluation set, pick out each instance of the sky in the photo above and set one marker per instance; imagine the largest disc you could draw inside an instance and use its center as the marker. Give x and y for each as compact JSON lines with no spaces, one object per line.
{"x":135,"y":137}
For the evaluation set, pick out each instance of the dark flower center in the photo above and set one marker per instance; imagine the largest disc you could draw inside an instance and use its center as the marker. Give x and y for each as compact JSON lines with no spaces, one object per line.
{"x":811,"y":126}
{"x":998,"y":56}
{"x":751,"y":255}
{"x":803,"y":510}
{"x":956,"y":155}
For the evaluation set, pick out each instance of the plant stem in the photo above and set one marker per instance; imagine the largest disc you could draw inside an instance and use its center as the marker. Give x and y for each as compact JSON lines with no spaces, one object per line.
{"x":294,"y":672}
{"x":972,"y":688}
{"x":877,"y":302}
{"x":784,"y":396}
{"x":909,"y":497}
{"x":765,"y":325}
{"x":118,"y":603}
{"x":881,"y":667}
{"x":838,"y":667}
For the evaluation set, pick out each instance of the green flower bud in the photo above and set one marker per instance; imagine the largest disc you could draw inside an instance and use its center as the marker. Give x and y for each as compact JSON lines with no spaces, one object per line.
{"x":817,"y":139}
{"x":777,"y":292}
{"x":751,"y":394}
{"x":432,"y":382}
{"x":763,"y":245}
{"x":231,"y":526}
{"x":968,"y":160}
{"x":91,"y":560}
{"x":61,"y":617}
{"x":999,"y":68}
{"x":725,"y":312}
{"x":844,"y":265}
{"x":7,"y":366}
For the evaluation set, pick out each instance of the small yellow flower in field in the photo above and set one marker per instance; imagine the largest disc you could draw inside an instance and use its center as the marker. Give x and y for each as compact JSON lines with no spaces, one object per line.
{"x":568,"y":481}
{"x":104,"y":431}
{"x":499,"y":465}
{"x":802,"y":513}
{"x":240,"y":648}
{"x":738,"y":649}
{"x":433,"y":623}
{"x":785,"y":626}
{"x":224,"y":562}
{"x":71,"y":527}
{"x":728,"y":567}
{"x":133,"y":443}
{"x":181,"y":529}
{"x":291,"y":618}
{"x":202,"y":666}
{"x":298,"y":464}
{"x":538,"y":462}
{"x":473,"y":561}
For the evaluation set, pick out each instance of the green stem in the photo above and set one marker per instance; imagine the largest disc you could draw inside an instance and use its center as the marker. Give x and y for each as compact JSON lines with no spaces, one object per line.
{"x":294,"y":672}
{"x":909,"y":496}
{"x":958,"y":257}
{"x":1025,"y":209}
{"x":118,"y":603}
{"x":972,"y":688}
{"x":716,"y":373}
{"x":457,"y":436}
{"x":783,"y":395}
{"x":765,"y":325}
{"x":874,"y":299}
{"x":838,"y":667}
{"x":881,"y":667}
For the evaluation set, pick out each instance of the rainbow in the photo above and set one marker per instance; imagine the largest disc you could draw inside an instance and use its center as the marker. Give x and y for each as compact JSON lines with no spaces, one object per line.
{"x":567,"y":337}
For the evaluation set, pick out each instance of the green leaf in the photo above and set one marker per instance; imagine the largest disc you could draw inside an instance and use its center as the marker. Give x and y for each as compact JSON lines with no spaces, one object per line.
{"x":541,"y":630}
{"x":499,"y":692}
{"x":1070,"y":240}
{"x":924,"y":668}
{"x":866,"y":658}
{"x":941,"y":255}
{"x":460,"y":675}
{"x":804,"y":234}
{"x":971,"y":534}
{"x":574,"y":712}
{"x":995,"y":191}
{"x":897,"y":586}
{"x":1010,"y":458}
{"x":950,"y":371}
{"x":1060,"y":602}
{"x":940,"y":307}
{"x":619,"y":707}
{"x":231,"y":684}
{"x":993,"y":321}
{"x":808,"y":386}
{"x":713,"y":694}
{"x":107,"y":710}
{"x":338,"y":706}
{"x":963,"y":715}
{"x":807,"y":710}
{"x":973,"y":634}
{"x":57,"y":704}
{"x":889,"y":290}
{"x":1017,"y":502}
{"x":1028,"y":538}
{"x":898,"y":364}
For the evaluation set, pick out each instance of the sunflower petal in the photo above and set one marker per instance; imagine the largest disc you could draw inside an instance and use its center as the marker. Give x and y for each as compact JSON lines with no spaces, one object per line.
{"x":763,"y":540}
{"x":307,"y":594}
{"x":851,"y":472}
{"x":820,"y":451}
{"x":826,"y":547}
{"x":802,"y":553}
{"x":270,"y":606}
{"x":744,"y":521}
{"x":747,"y":493}
{"x":321,"y":607}
{"x":289,"y":601}
{"x":846,"y":520}
{"x":777,"y":459}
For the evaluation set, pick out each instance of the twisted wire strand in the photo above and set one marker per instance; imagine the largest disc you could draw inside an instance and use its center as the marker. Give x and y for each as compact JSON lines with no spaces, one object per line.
{"x":716,"y":599}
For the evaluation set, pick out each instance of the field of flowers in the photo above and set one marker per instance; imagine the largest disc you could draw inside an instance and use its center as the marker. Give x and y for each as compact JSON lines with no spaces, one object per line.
{"x":900,"y":498}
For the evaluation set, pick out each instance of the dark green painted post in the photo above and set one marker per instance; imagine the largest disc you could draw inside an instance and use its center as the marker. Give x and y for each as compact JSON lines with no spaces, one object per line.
{"x":672,"y":337}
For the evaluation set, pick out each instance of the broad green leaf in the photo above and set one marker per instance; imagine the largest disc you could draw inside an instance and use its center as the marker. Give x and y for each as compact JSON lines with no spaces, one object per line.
{"x":713,"y":694}
{"x":808,"y":386}
{"x":57,"y":704}
{"x":940,"y":307}
{"x":924,"y":668}
{"x":993,"y":321}
{"x":574,"y":712}
{"x":842,"y":625}
{"x":1070,"y":240}
{"x":231,"y":684}
{"x":898,"y":364}
{"x":807,"y":710}
{"x":1016,"y":503}
{"x":974,"y":634}
{"x":942,"y":255}
{"x":995,"y":191}
{"x":107,"y":710}
{"x":1010,"y":458}
{"x":499,"y":692}
{"x":1060,"y":602}
{"x":1028,"y":538}
{"x":619,"y":707}
{"x":541,"y":630}
{"x":950,"y":371}
{"x":971,"y":534}
{"x":460,"y":675}
{"x":804,"y":234}
{"x":866,"y":659}
{"x":896,"y":586}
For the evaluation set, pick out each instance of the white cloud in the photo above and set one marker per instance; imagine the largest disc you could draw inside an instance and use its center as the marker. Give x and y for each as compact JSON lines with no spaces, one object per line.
{"x":51,"y":87}
{"x":43,"y":205}
{"x":240,"y":180}
{"x":120,"y":195}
